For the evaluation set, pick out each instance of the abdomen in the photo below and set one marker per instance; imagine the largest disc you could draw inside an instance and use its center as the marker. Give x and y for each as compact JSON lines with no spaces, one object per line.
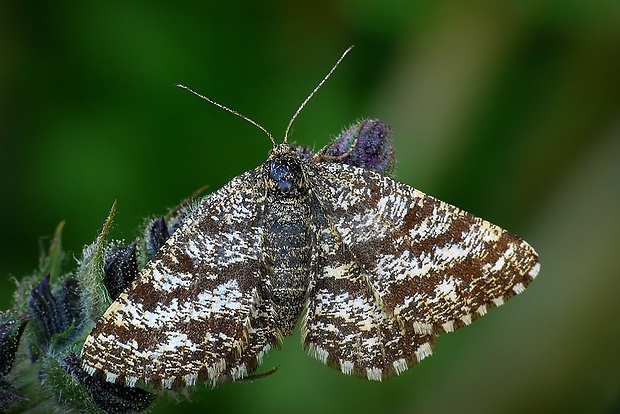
{"x":287,"y":245}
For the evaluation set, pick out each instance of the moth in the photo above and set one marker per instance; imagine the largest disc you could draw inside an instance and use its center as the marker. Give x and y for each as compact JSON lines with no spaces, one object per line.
{"x":377,"y":269}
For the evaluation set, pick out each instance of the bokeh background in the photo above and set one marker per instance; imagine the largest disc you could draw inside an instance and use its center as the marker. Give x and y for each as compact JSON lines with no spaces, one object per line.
{"x":510,"y":110}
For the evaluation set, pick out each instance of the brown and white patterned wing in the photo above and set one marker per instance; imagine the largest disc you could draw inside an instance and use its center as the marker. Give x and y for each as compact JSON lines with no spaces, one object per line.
{"x":262,"y":334}
{"x":433,"y":266}
{"x":193,"y":310}
{"x":345,"y":325}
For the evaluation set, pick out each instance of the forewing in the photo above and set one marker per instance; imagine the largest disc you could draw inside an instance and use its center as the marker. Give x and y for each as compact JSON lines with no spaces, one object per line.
{"x":189,"y":315}
{"x":345,"y":325}
{"x":433,"y":266}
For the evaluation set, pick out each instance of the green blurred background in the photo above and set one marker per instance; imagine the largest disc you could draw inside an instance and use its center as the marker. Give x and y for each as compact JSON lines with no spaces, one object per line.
{"x":510,"y":110}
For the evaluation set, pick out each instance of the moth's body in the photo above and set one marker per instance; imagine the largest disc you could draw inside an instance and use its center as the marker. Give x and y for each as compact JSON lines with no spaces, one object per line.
{"x":287,"y":238}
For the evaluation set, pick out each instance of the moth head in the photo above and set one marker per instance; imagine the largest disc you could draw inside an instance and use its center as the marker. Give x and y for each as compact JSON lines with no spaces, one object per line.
{"x":285,"y":177}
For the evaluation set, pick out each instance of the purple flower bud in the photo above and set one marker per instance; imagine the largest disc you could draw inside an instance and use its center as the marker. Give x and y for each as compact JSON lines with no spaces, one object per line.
{"x":69,"y":296}
{"x":156,"y":236}
{"x":9,"y":395}
{"x":107,"y":396}
{"x":48,"y":320}
{"x":54,"y":312}
{"x":10,"y":333}
{"x":120,"y":268}
{"x":11,"y":330}
{"x":367,"y":144}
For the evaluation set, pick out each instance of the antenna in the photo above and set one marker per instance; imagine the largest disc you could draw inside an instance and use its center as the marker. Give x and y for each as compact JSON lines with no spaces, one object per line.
{"x":312,"y":93}
{"x":232,"y":111}
{"x":256,"y":124}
